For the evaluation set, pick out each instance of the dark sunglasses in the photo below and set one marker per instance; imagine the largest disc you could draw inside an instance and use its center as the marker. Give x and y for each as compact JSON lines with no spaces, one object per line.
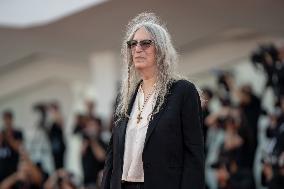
{"x":144,"y":44}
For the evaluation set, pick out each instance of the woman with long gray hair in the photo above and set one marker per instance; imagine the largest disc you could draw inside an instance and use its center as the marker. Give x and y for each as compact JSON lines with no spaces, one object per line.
{"x":157,"y":140}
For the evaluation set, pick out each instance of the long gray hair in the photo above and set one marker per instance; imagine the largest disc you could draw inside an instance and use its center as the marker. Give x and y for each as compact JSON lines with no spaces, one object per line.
{"x":166,"y":60}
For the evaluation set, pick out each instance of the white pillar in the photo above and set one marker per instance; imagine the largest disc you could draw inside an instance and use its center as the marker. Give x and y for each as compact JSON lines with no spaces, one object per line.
{"x":105,"y":72}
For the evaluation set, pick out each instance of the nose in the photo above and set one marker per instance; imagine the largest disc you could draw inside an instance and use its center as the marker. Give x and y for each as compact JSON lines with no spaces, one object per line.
{"x":138,"y":48}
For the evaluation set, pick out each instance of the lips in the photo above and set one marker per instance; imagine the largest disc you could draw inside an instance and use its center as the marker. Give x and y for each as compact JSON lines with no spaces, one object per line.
{"x":139,"y":57}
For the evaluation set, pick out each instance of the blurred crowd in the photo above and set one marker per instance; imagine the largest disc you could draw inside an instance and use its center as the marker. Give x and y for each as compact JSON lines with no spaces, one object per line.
{"x":244,"y":140}
{"x":18,"y":171}
{"x":236,"y":158}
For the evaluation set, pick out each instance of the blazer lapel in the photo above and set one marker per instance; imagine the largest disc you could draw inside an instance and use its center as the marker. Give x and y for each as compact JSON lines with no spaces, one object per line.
{"x":154,"y":121}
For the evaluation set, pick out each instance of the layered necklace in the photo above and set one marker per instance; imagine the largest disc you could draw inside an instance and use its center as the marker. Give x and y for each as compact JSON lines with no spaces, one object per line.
{"x":140,"y":109}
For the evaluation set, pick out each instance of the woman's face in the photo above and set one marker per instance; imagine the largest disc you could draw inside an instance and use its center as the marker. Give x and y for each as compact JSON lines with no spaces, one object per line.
{"x":143,"y":52}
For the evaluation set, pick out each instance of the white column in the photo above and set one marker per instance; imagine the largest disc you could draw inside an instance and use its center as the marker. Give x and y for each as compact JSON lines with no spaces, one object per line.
{"x":105,"y":74}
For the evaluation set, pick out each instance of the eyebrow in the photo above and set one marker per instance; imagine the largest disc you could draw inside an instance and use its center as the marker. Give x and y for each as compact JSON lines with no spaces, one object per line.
{"x":142,"y":39}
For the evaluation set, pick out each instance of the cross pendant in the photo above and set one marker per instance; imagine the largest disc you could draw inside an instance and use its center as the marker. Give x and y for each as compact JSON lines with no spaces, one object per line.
{"x":139,"y":118}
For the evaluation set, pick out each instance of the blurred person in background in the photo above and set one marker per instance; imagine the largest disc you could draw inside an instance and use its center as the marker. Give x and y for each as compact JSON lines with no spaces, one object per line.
{"x":52,"y":123}
{"x":250,"y":106}
{"x":93,"y":152}
{"x":11,"y":141}
{"x":55,"y":132}
{"x":93,"y":149}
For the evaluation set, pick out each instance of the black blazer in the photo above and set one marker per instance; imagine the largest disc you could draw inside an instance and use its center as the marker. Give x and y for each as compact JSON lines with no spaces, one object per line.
{"x":173,"y":154}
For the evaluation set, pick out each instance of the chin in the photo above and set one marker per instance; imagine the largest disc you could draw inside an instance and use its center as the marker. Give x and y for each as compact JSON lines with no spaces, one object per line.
{"x":140,"y":65}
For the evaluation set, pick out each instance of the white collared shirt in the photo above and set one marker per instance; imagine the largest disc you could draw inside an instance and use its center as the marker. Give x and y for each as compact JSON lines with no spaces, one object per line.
{"x":135,"y":138}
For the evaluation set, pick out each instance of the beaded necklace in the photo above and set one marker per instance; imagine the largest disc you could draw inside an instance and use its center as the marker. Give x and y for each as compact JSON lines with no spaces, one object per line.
{"x":140,"y":109}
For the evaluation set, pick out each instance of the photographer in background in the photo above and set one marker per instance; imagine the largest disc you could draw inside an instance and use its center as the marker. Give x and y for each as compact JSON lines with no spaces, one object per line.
{"x":56,"y":135}
{"x":10,"y":146}
{"x":51,"y":120}
{"x":93,"y":152}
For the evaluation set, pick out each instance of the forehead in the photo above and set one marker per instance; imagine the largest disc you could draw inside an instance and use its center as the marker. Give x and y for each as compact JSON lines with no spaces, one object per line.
{"x":141,"y":34}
